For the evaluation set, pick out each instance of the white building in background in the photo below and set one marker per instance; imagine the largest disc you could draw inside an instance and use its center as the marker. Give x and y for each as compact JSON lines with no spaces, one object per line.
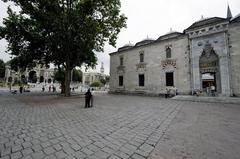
{"x":38,"y":74}
{"x":206,"y":54}
{"x":91,"y":76}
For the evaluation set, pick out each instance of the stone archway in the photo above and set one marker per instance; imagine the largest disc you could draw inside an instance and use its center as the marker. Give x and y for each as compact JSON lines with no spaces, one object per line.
{"x":209,"y":66}
{"x":32,"y":77}
{"x":41,"y":79}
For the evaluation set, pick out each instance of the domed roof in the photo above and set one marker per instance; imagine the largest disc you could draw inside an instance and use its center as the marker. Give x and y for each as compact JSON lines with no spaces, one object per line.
{"x":125,"y":47}
{"x":144,"y":41}
{"x":206,"y":21}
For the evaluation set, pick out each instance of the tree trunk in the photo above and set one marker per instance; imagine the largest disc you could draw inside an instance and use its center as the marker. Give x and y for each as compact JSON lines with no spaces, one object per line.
{"x":67,"y":81}
{"x":62,"y":87}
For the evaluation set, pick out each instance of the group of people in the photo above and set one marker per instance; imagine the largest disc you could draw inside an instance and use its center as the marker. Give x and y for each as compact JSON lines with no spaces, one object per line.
{"x":89,"y":98}
{"x":50,"y":88}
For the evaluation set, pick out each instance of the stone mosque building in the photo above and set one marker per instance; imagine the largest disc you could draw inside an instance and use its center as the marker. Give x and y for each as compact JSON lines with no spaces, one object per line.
{"x":204,"y":55}
{"x":38,"y":74}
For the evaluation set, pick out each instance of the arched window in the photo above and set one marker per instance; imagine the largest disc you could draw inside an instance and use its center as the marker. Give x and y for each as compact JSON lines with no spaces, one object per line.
{"x":121,"y":61}
{"x":141,"y":57}
{"x":168,"y":52}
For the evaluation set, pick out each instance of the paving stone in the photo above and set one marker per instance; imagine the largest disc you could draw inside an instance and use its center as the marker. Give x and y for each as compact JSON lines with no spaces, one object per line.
{"x":60,"y":154}
{"x":99,"y":144}
{"x":147,"y":148}
{"x":87,"y":151}
{"x":26,"y":145}
{"x":102,"y":155}
{"x":76,"y":147}
{"x":17,"y":148}
{"x":114,"y":157}
{"x":16,"y":155}
{"x":5,"y":157}
{"x":108,"y":150}
{"x":5,"y":152}
{"x":27,"y":151}
{"x":79,"y":155}
{"x":36,"y":148}
{"x":137,"y":156}
{"x":121,"y":155}
{"x":57,"y":147}
{"x":48,"y":150}
{"x":38,"y":155}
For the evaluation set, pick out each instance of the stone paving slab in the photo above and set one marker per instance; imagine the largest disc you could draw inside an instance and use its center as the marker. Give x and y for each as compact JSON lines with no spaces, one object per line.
{"x":37,"y":126}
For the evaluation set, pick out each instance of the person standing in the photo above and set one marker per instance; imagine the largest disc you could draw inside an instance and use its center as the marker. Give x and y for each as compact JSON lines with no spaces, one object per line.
{"x":88,"y":96}
{"x":91,"y":100}
{"x":212,"y":90}
{"x":21,"y":89}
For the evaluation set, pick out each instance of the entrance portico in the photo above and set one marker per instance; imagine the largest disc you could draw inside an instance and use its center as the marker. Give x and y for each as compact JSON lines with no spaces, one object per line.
{"x":211,"y":61}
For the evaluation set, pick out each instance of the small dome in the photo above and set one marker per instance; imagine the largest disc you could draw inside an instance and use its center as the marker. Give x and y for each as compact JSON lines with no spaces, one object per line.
{"x":145,"y":41}
{"x":126,"y":46}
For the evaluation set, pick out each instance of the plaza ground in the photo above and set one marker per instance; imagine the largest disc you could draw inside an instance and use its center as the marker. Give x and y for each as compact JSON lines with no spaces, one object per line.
{"x":46,"y":125}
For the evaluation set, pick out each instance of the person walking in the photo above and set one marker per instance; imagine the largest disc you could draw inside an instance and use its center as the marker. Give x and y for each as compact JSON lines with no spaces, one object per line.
{"x":88,"y":96}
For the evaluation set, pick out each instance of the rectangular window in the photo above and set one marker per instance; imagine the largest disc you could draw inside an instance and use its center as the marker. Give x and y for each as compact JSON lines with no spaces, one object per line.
{"x":121,"y":61}
{"x":169,"y":79}
{"x":120,"y":80}
{"x":141,"y":80}
{"x":141,"y":57}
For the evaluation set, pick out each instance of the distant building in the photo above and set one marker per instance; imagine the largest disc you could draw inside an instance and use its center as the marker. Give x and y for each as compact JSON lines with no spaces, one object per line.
{"x":38,"y":74}
{"x":206,"y":54}
{"x":92,"y":76}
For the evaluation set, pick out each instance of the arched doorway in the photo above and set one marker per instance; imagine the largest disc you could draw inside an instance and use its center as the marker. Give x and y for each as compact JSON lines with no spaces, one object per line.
{"x":32,"y":77}
{"x":209,"y":70}
{"x":49,"y":80}
{"x":41,"y":79}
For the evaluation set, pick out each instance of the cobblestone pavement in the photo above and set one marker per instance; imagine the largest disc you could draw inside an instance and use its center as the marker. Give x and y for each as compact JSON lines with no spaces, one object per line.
{"x":117,"y":127}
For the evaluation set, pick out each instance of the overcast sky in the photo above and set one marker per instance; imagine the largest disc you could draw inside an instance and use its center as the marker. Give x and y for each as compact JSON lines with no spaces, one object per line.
{"x":153,"y":18}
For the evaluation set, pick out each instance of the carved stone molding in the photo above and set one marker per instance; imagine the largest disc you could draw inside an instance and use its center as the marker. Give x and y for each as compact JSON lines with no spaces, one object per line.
{"x":172,"y":62}
{"x":121,"y":69}
{"x":141,"y":66}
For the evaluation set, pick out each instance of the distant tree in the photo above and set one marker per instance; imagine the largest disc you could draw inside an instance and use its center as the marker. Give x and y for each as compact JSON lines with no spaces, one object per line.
{"x":77,"y":75}
{"x":96,"y":84}
{"x":103,"y":81}
{"x":2,"y":69}
{"x":63,"y":32}
{"x":107,"y":78}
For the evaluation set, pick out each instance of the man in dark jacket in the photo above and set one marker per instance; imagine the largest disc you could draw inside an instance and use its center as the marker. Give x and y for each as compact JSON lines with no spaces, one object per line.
{"x":88,"y":96}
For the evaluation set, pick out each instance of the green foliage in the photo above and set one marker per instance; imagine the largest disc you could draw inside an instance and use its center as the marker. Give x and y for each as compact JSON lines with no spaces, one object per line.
{"x":76,"y":75}
{"x":103,"y":81}
{"x":107,"y":78}
{"x":59,"y":75}
{"x":2,"y":69}
{"x":66,"y":33}
{"x":96,"y":84}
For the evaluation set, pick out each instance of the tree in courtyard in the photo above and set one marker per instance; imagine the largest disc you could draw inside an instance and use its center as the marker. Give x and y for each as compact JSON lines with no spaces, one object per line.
{"x":2,"y":69}
{"x":63,"y":32}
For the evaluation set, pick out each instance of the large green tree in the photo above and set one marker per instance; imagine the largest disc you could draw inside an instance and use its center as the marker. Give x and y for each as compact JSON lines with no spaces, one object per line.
{"x":63,"y":32}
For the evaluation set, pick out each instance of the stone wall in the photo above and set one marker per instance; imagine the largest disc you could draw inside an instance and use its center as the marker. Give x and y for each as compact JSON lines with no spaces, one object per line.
{"x":234,"y":46}
{"x":154,"y":67}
